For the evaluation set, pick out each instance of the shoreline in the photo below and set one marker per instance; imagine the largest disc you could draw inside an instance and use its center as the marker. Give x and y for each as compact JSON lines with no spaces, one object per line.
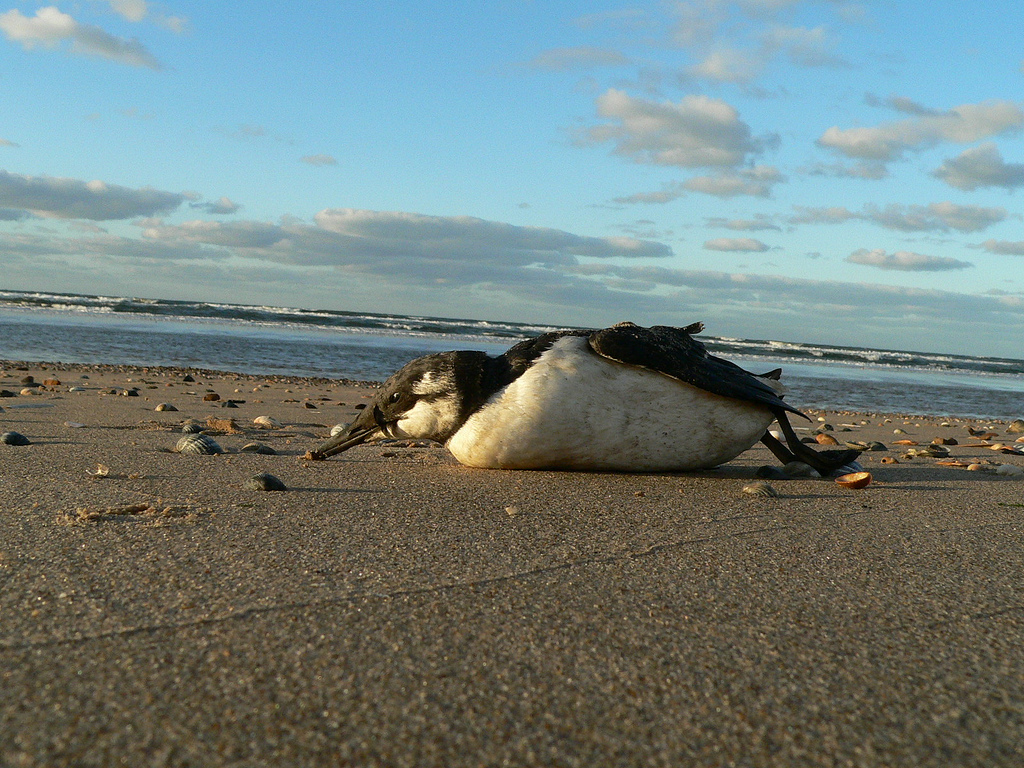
{"x":393,"y":607}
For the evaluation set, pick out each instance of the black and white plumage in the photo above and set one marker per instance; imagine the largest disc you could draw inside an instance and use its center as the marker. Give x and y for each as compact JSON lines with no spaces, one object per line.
{"x":624,"y":398}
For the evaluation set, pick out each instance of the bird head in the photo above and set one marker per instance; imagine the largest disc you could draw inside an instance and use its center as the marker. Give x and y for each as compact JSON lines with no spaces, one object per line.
{"x":429,"y":399}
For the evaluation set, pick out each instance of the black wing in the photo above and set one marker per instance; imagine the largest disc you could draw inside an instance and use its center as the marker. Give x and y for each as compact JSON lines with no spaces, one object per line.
{"x":673,"y":352}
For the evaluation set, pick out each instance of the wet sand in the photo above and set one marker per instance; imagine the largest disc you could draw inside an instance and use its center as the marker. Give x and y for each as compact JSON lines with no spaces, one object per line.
{"x":395,"y":608}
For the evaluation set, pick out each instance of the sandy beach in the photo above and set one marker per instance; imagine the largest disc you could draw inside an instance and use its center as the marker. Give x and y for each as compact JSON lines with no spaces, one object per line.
{"x":394,"y":608}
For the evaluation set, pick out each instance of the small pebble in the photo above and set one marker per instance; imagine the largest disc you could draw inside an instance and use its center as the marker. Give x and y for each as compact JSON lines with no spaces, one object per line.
{"x":14,"y":438}
{"x":165,"y":407}
{"x":1009,"y":470}
{"x":264,"y":481}
{"x":799,"y":469}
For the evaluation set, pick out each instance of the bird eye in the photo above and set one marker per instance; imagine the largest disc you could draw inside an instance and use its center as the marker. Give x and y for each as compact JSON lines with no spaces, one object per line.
{"x":395,"y":397}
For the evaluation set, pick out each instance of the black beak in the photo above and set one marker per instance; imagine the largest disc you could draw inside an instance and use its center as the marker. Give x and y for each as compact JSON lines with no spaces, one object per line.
{"x":362,"y":429}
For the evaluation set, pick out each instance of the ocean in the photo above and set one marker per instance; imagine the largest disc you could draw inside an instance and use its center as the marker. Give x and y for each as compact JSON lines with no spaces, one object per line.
{"x":71,"y":328}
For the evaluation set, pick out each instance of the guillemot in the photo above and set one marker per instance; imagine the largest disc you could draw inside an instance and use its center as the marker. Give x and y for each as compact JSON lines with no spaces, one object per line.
{"x":624,"y":398}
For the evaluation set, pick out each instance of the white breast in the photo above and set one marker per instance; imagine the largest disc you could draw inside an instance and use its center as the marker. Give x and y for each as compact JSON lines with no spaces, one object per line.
{"x":575,"y":410}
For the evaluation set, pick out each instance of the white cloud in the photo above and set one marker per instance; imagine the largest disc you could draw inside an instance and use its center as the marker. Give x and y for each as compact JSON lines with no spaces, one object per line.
{"x":222,"y":205}
{"x":1004,"y":247}
{"x":578,"y":57}
{"x":320,"y":160}
{"x":889,"y":141}
{"x":905,"y":261}
{"x":756,"y":181}
{"x":75,"y":199}
{"x":666,"y":195}
{"x":804,"y":47}
{"x":934,"y":217}
{"x":981,"y":166}
{"x":728,"y":65}
{"x":234,"y":234}
{"x":761,"y":222}
{"x":49,"y":27}
{"x":398,"y":232}
{"x":745,"y":244}
{"x":133,"y":10}
{"x":696,"y":132}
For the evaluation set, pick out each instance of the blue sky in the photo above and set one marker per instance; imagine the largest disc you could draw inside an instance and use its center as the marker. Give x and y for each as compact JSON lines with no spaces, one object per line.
{"x":834,"y":172}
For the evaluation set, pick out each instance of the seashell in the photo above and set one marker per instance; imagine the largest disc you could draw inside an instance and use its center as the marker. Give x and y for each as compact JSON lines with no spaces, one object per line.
{"x":799,"y":469}
{"x":980,"y":467}
{"x":266,"y":422}
{"x":76,"y":389}
{"x":825,"y":439}
{"x":165,"y":407}
{"x":261,"y":448}
{"x":854,"y":480}
{"x":211,"y":397}
{"x":857,"y":445}
{"x":29,"y":391}
{"x":761,"y":488}
{"x":945,"y":441}
{"x":264,"y":481}
{"x":934,"y":451}
{"x":14,"y":438}
{"x":1017,"y":425}
{"x":904,"y":442}
{"x":133,"y":392}
{"x":1009,"y":470}
{"x":51,"y":383}
{"x":202,"y":445}
{"x":889,"y":460}
{"x":27,"y":380}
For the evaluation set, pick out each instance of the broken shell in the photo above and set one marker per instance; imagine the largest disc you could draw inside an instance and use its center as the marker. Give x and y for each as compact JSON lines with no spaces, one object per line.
{"x":191,"y":427}
{"x":264,"y":481}
{"x":823,"y":438}
{"x":761,"y":488}
{"x":202,"y":445}
{"x":889,"y":460}
{"x":266,"y":422}
{"x":1017,"y":425}
{"x":854,"y":480}
{"x":337,"y":429}
{"x":266,"y":450}
{"x":165,"y":407}
{"x":14,"y":438}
